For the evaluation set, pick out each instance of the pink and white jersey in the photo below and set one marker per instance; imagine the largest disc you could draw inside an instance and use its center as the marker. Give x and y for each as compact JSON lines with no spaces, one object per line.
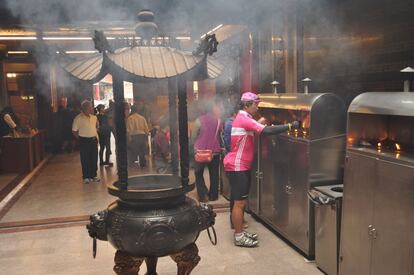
{"x":241,"y":155}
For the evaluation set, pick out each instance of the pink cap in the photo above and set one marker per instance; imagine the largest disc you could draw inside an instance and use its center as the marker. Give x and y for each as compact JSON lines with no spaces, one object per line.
{"x":249,"y":96}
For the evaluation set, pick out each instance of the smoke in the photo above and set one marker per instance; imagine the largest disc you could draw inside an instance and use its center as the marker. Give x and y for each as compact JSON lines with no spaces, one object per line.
{"x":177,"y":14}
{"x":323,"y":43}
{"x":52,"y":12}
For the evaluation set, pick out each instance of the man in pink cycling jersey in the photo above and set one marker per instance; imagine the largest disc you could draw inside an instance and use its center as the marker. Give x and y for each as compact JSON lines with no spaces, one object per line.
{"x":238,"y":161}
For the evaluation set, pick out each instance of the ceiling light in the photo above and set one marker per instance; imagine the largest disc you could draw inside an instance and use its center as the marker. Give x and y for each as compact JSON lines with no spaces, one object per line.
{"x":18,"y":38}
{"x":216,"y":28}
{"x":212,"y":30}
{"x":76,"y":52}
{"x":183,"y":38}
{"x":67,"y":38}
{"x":17,"y":52}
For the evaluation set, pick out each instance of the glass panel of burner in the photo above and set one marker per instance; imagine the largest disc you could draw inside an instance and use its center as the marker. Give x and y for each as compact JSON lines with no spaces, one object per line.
{"x":148,"y":136}
{"x":391,"y":135}
{"x":282,"y":116}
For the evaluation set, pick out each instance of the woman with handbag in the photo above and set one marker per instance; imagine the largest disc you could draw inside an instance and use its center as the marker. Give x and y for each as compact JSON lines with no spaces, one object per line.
{"x":206,"y":137}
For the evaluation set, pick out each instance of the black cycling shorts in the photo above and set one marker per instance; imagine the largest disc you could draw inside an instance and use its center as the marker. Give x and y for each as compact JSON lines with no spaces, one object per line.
{"x":239,"y":184}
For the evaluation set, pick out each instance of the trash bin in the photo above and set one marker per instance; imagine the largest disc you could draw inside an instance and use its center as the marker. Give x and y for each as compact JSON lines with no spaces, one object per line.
{"x":328,"y":202}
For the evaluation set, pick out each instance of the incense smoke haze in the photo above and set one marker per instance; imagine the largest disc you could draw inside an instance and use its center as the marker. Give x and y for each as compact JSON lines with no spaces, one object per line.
{"x":195,"y":17}
{"x":178,"y":14}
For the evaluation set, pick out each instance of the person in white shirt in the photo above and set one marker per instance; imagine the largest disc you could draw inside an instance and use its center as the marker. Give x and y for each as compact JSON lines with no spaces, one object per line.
{"x":84,"y":128}
{"x":137,"y":132}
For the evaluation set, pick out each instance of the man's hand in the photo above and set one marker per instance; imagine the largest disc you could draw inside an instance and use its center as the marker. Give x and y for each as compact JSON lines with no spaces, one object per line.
{"x":262,"y":120}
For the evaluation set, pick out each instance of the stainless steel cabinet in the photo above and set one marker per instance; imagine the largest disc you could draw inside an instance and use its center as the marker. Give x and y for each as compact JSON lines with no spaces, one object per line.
{"x":377,"y":217}
{"x":300,"y":219}
{"x":280,"y":181}
{"x":393,"y":223}
{"x":283,"y":181}
{"x":267,"y":187}
{"x":255,"y":182}
{"x":290,"y":163}
{"x":357,"y":214}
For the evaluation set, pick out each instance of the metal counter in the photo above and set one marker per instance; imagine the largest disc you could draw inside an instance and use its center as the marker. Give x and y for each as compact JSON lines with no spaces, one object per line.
{"x":289,"y":164}
{"x":378,"y":201}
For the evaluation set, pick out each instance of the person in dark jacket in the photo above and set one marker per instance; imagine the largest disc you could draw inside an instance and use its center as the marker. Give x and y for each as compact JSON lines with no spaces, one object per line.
{"x":227,"y":130}
{"x":65,"y":120}
{"x":104,"y":132}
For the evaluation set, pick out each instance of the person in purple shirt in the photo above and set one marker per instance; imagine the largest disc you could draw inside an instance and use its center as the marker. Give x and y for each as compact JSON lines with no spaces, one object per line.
{"x":206,"y":136}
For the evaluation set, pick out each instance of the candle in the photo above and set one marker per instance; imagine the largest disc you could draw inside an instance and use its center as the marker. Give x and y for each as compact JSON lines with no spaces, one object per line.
{"x":379,"y":146}
{"x":397,"y":147}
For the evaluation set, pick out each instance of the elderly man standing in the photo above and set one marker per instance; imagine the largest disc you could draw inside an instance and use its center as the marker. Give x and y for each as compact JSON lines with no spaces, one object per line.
{"x":84,"y":128}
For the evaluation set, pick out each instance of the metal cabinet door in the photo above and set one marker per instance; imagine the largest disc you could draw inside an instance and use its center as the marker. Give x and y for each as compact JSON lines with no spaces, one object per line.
{"x":297,"y":187}
{"x":326,"y":235}
{"x":255,"y":180}
{"x":267,"y":181}
{"x":357,"y":214}
{"x":393,"y":243}
{"x":282,"y":155}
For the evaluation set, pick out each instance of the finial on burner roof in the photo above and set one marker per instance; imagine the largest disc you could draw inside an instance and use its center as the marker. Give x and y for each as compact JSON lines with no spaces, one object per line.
{"x":146,"y":28}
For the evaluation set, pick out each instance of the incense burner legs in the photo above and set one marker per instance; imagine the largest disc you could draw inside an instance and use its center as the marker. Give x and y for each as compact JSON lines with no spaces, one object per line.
{"x":186,"y":260}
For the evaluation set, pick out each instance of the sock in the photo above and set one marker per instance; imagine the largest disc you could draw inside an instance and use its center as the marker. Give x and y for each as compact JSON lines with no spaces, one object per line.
{"x":238,"y":236}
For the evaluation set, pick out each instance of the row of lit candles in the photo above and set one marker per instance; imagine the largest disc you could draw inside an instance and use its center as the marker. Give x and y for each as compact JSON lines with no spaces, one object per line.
{"x":397,"y":147}
{"x":380,"y":147}
{"x":296,"y":132}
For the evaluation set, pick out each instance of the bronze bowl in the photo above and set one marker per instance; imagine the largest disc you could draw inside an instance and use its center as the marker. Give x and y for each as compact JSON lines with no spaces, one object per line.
{"x":152,"y":218}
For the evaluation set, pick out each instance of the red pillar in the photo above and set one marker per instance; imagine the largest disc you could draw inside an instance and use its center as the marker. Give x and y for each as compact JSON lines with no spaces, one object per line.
{"x":96,"y":92}
{"x":246,"y":67}
{"x":249,"y":64}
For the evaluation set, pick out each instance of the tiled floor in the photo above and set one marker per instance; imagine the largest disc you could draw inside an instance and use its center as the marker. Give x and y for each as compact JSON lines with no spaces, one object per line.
{"x":6,"y":179}
{"x":69,"y":251}
{"x":58,"y":192}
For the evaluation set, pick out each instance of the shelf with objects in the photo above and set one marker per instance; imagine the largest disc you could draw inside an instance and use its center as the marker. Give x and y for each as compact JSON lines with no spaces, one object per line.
{"x":22,"y":145}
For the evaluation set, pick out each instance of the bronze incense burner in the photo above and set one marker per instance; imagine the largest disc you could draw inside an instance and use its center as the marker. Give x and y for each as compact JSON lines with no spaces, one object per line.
{"x":152,"y":216}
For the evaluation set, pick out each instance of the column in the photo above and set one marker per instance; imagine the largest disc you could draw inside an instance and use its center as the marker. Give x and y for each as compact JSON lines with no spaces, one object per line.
{"x":120,"y":127}
{"x":172,"y":107}
{"x":183,"y":127}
